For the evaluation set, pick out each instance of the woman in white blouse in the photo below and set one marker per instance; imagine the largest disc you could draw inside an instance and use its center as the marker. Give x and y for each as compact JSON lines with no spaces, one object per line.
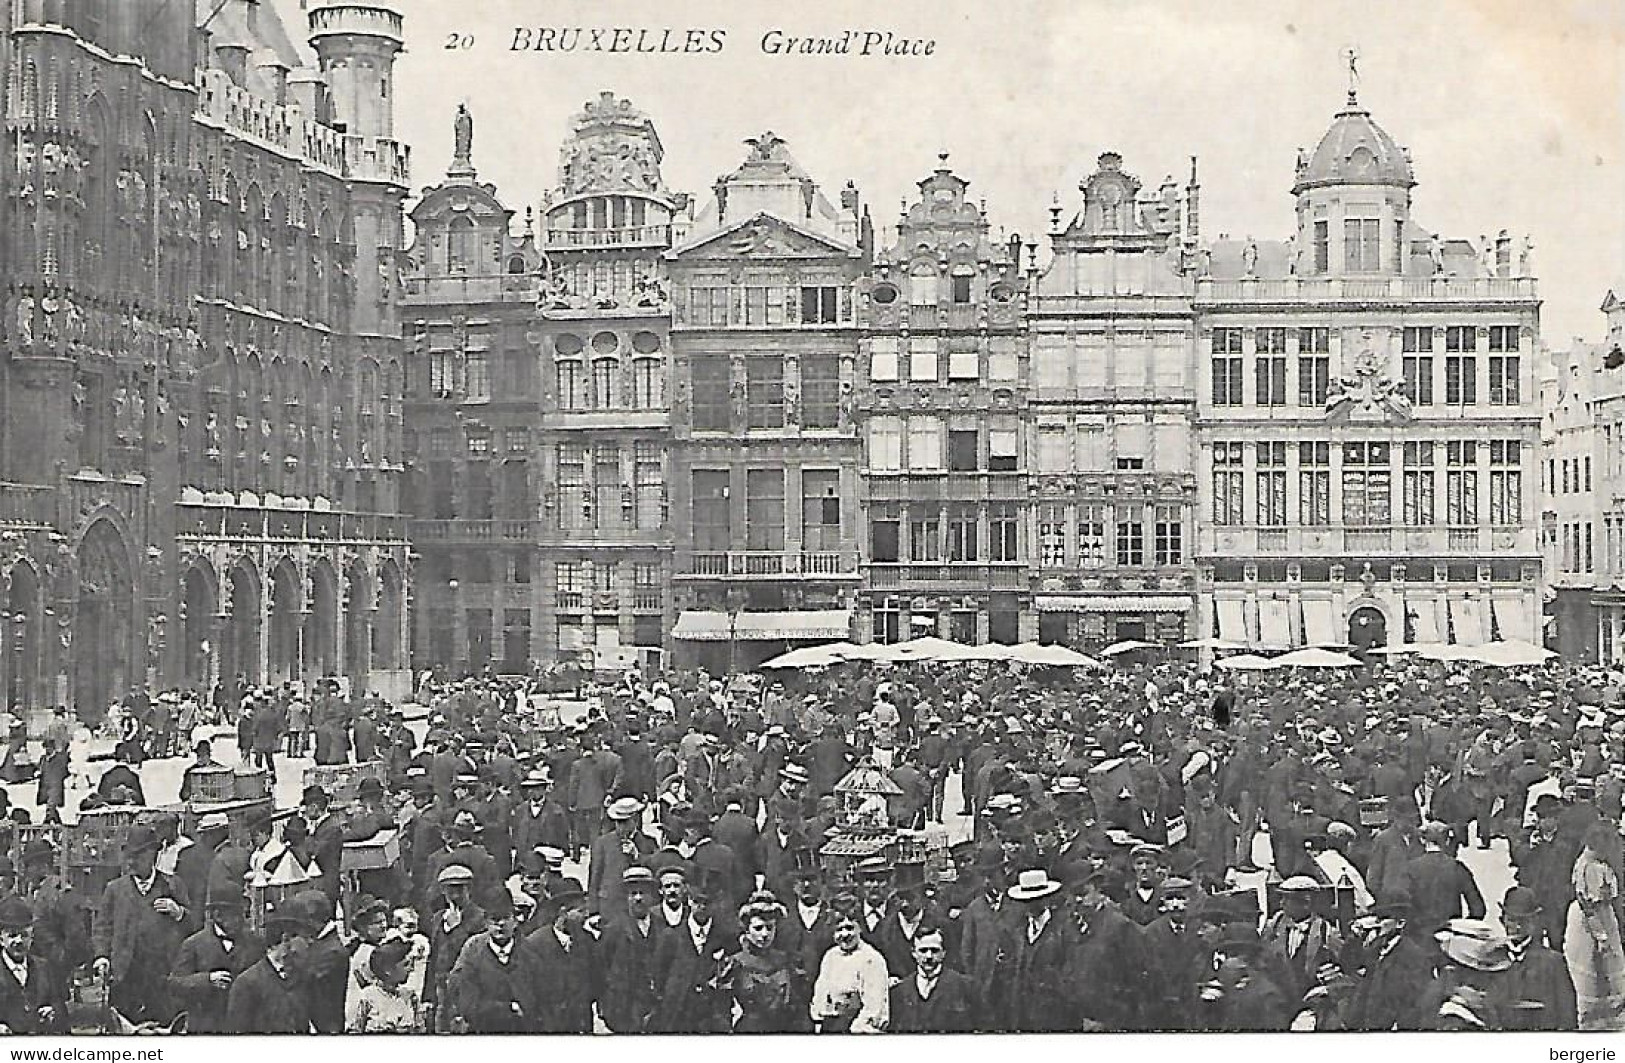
{"x":853,"y":990}
{"x":387,"y":1005}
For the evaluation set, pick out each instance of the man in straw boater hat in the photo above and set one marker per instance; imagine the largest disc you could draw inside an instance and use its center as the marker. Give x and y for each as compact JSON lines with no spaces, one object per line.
{"x":624,"y":845}
{"x":690,"y":990}
{"x":1535,"y":992}
{"x":1297,"y":940}
{"x":1039,"y":953}
{"x":626,"y":1000}
{"x":31,"y":996}
{"x":1474,"y":959}
{"x":139,"y":925}
{"x":267,"y":997}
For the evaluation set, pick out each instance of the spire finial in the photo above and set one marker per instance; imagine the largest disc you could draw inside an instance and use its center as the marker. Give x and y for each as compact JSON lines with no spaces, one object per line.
{"x":942,"y":157}
{"x":1352,"y":54}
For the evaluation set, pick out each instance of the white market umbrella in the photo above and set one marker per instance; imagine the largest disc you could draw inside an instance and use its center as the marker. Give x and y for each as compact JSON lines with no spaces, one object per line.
{"x":1052,"y":656}
{"x":1442,"y":652}
{"x":1311,"y":657}
{"x":1214,"y":643}
{"x":1400,"y":649}
{"x":993,"y":652}
{"x":1245,"y":662}
{"x":1513,"y":653}
{"x":872,"y":651}
{"x":812,"y":656}
{"x":929,"y":648}
{"x":1128,"y":646}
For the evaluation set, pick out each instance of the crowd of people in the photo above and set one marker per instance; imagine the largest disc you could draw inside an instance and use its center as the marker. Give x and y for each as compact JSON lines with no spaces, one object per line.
{"x":1150,"y":848}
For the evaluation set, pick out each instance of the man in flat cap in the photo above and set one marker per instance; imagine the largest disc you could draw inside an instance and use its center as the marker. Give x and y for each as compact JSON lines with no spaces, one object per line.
{"x":457,"y":918}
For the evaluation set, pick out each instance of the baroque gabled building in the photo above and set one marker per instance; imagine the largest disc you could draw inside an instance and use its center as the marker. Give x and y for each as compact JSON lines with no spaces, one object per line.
{"x":1112,"y":393}
{"x":1367,"y":419}
{"x":199,"y":422}
{"x":765,"y":445}
{"x":940,"y":401}
{"x":473,"y":396}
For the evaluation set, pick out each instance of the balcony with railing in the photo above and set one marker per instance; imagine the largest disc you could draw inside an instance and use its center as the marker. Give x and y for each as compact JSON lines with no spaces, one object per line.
{"x":982,"y":575}
{"x":25,"y":505}
{"x":755,"y":564}
{"x":206,"y":522}
{"x":619,"y":236}
{"x":473,"y":531}
{"x":1367,"y":289}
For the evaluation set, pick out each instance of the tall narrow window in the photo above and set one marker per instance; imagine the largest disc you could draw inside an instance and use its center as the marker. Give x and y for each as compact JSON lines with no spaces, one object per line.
{"x":1504,"y":384}
{"x":964,"y":525}
{"x":1362,"y":245}
{"x":1417,"y":352}
{"x":1420,"y":484}
{"x":1269,"y":366}
{"x":1461,"y":483}
{"x":1314,"y":366}
{"x":1003,"y":542}
{"x":1091,"y":535}
{"x":924,"y":534}
{"x":1314,"y":484}
{"x":1227,"y":367}
{"x":1460,"y":366}
{"x":764,"y":392}
{"x":1228,"y":465}
{"x":821,"y":391}
{"x":764,"y":509}
{"x":711,"y":384}
{"x":1170,"y":537}
{"x":1128,"y":527}
{"x":1271,"y":479}
{"x":1506,"y":482}
{"x":1323,"y":247}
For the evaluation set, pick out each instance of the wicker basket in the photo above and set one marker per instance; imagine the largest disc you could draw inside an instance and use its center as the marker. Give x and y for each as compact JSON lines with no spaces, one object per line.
{"x":343,"y":781}
{"x":250,"y":784}
{"x":211,"y":785}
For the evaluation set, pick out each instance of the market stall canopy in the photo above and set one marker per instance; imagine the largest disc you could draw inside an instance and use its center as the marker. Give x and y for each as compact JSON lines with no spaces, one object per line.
{"x":698,"y":625}
{"x":1218,"y":645}
{"x":1051,"y":656}
{"x":1512,"y":653}
{"x":813,"y":656}
{"x":1128,"y":646}
{"x":929,"y":648}
{"x":1438,"y":652}
{"x":1245,"y":662}
{"x":1313,"y":657}
{"x":1400,"y":649}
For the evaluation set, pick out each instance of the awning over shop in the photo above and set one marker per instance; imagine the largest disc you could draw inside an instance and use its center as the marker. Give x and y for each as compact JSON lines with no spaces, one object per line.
{"x":701,"y":627}
{"x":1233,"y":620}
{"x":1132,"y":603}
{"x":1513,"y":618}
{"x":791,"y":625}
{"x":1426,"y":613}
{"x":1274,"y":624}
{"x":1319,"y":623}
{"x":796,"y":624}
{"x":1467,"y":621}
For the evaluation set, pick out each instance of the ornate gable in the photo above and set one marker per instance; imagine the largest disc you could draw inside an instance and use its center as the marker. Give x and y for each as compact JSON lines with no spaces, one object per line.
{"x":763,"y":237}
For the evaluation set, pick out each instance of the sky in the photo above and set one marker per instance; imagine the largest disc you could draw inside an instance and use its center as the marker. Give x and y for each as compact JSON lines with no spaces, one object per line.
{"x":1514,"y":113}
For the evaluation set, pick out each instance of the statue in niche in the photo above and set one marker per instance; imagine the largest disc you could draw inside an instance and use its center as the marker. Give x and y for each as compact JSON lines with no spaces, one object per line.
{"x":25,"y":319}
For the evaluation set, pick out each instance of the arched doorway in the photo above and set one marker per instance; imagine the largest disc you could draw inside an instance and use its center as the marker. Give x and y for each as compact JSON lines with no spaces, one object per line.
{"x":103,"y":655}
{"x":386,"y":630}
{"x":1368,"y":629}
{"x":24,"y":622}
{"x":358,"y":626}
{"x":286,"y":604}
{"x":321,"y":623}
{"x":240,"y":639}
{"x":197,"y":621}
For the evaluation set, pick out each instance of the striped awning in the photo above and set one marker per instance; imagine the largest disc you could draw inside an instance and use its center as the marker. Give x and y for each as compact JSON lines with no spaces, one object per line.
{"x":1120,"y":603}
{"x":710,"y":626}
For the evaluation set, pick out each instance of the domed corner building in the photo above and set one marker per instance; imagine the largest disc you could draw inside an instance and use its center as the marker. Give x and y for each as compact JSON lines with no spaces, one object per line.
{"x":200,"y":421}
{"x":1368,"y":418}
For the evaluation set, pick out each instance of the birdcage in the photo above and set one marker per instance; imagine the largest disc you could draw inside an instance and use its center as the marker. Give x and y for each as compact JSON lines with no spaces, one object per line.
{"x":250,"y":784}
{"x":211,"y":785}
{"x":343,"y":781}
{"x":864,"y":799}
{"x":275,"y":885}
{"x":93,"y":848}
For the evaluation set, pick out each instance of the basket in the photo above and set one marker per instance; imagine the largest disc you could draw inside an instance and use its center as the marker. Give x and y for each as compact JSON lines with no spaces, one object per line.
{"x":97,"y":840}
{"x":250,"y":784}
{"x":1374,"y":812}
{"x":211,"y":785}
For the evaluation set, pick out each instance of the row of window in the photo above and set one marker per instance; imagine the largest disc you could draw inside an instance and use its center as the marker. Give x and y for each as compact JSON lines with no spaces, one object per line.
{"x":765,"y":305}
{"x":479,"y":441}
{"x":765,"y":404}
{"x":582,"y":577}
{"x":1576,"y":554}
{"x":927,"y":444}
{"x":922,"y":358}
{"x":951,"y":534}
{"x":1575,"y":475}
{"x":1366,"y":477}
{"x":1127,"y":535}
{"x":765,"y":510}
{"x":1313,"y":377}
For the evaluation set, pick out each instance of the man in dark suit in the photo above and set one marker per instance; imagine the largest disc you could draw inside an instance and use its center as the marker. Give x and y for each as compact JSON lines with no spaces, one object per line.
{"x":450,"y":927}
{"x":264,"y":998}
{"x":210,"y":961}
{"x":324,"y":839}
{"x":1109,"y":962}
{"x":1041,"y":947}
{"x":563,"y":960}
{"x":687,"y":962}
{"x":985,"y":928}
{"x":1536,"y":992}
{"x":138,"y":928}
{"x":1441,"y":885}
{"x":30,"y":997}
{"x":932,"y":997}
{"x":626,"y":1000}
{"x":738,"y":832}
{"x":490,"y":988}
{"x":613,"y":852}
